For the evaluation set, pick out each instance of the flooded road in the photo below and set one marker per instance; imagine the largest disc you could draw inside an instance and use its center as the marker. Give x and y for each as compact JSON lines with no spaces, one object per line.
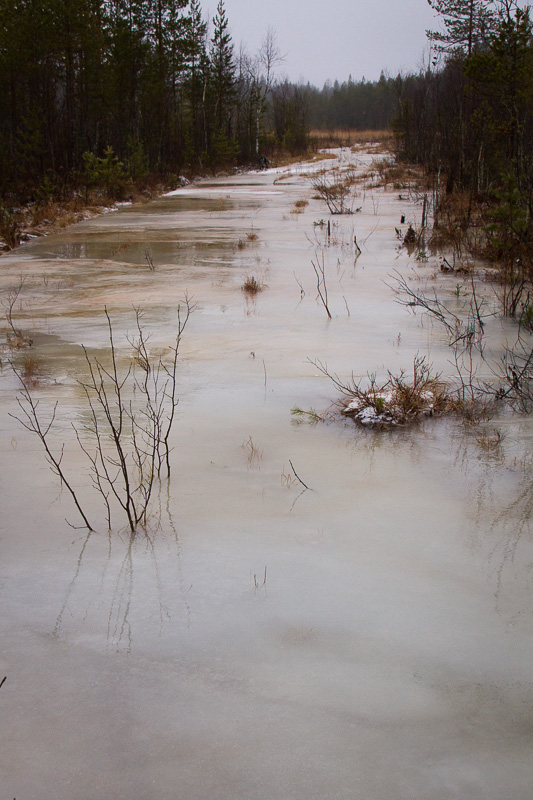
{"x":368,"y":637}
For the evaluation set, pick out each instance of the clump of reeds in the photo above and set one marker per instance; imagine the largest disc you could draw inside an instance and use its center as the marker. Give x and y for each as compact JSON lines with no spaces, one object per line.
{"x":250,"y":237}
{"x":252,"y":286}
{"x":253,"y":453}
{"x":31,"y":371}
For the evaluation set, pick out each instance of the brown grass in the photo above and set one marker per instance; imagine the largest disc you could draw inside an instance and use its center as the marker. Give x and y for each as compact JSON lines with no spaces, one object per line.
{"x":299,"y":206}
{"x":31,"y":369}
{"x":10,"y":229}
{"x":398,"y":400}
{"x":39,"y":219}
{"x":16,"y":340}
{"x":350,"y":138}
{"x":386,"y":170}
{"x":286,"y":159}
{"x":252,"y":286}
{"x":460,"y":225}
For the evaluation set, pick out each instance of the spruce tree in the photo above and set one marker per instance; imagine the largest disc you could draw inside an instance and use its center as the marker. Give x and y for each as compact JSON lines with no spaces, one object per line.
{"x":223,"y":72}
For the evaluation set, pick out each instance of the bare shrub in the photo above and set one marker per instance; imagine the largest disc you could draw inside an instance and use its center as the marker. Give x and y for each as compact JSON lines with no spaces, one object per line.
{"x":512,"y":376}
{"x":129,"y":420}
{"x":335,"y":190}
{"x":16,"y":339}
{"x":397,"y":400}
{"x":515,"y":374}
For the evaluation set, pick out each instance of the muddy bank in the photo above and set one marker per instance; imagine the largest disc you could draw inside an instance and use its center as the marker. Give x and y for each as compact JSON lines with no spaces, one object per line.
{"x":21,"y":225}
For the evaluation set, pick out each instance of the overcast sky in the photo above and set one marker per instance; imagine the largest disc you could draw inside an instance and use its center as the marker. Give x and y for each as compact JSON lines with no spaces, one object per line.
{"x":332,"y":39}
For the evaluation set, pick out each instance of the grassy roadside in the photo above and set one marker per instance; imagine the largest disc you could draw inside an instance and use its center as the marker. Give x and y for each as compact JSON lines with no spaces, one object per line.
{"x":24,"y":223}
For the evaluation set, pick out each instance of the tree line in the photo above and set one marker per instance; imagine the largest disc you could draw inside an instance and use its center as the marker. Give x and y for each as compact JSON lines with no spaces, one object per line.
{"x":353,"y":105}
{"x":468,"y":119}
{"x":130,"y":87}
{"x":104,"y":91}
{"x":101,"y":92}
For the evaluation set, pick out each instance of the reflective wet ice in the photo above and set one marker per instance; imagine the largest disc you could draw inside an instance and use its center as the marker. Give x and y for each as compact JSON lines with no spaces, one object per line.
{"x":369,"y":636}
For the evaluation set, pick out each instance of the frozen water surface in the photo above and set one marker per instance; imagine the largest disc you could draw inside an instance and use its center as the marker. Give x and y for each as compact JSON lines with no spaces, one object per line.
{"x":368,"y":638}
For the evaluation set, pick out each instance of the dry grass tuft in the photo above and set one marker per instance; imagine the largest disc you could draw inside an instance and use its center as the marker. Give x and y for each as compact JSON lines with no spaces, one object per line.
{"x":252,"y":286}
{"x":351,"y":138}
{"x":386,"y":170}
{"x":299,"y":206}
{"x":10,"y":229}
{"x":398,"y":400}
{"x":16,"y":340}
{"x":31,"y":372}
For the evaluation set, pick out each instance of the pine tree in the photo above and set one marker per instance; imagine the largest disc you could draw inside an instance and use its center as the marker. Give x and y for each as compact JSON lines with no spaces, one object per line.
{"x":196,"y":78}
{"x":467,"y":23}
{"x":503,"y":80}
